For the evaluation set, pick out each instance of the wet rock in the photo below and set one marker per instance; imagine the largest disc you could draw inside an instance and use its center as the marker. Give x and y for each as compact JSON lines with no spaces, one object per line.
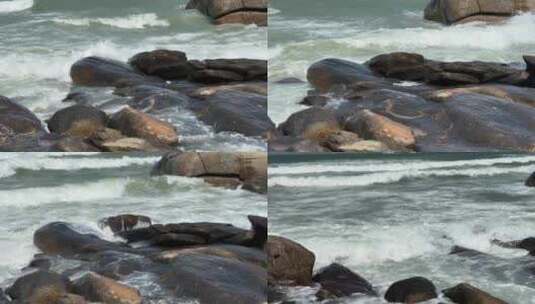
{"x":125,"y":222}
{"x":232,"y":111}
{"x":331,"y":72}
{"x":454,"y":11}
{"x":215,"y":279}
{"x":526,"y":244}
{"x":162,"y":99}
{"x":16,"y":123}
{"x":530,"y":182}
{"x":40,"y":284}
{"x":259,"y":225}
{"x":364,"y":146}
{"x":60,"y":238}
{"x":210,"y":76}
{"x":315,"y":100}
{"x":339,"y":139}
{"x":465,"y":252}
{"x":165,"y":64}
{"x":506,"y":92}
{"x":232,"y":11}
{"x":467,"y":294}
{"x":530,"y":64}
{"x":229,"y":70}
{"x":138,"y":124}
{"x":412,"y":290}
{"x":102,"y":72}
{"x":177,"y":240}
{"x":294,"y":144}
{"x":259,"y":88}
{"x":289,"y":80}
{"x":338,"y":281}
{"x":104,"y":135}
{"x":73,"y":144}
{"x":129,"y":144}
{"x":370,"y":125}
{"x":314,"y":123}
{"x":78,"y":120}
{"x":224,"y":182}
{"x":98,"y":288}
{"x":288,"y":262}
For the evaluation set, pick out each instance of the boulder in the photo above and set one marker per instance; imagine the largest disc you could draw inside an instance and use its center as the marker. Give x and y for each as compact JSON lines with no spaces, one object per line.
{"x":40,"y":284}
{"x":315,"y":124}
{"x":340,"y":140}
{"x":364,"y":146}
{"x":530,"y":182}
{"x":78,"y":120}
{"x":213,"y":71}
{"x":74,"y":144}
{"x":249,"y":17}
{"x":294,"y":144}
{"x":125,"y":222}
{"x":288,"y":262}
{"x":166,"y":64}
{"x":338,"y":281}
{"x":128,"y":144}
{"x":102,"y":72}
{"x":97,"y":288}
{"x":259,"y":226}
{"x":510,"y":93}
{"x":526,"y":244}
{"x":229,"y":11}
{"x":259,"y":88}
{"x":17,"y":125}
{"x":412,"y":290}
{"x":327,"y":73}
{"x":138,"y":124}
{"x":370,"y":125}
{"x":530,"y":64}
{"x":467,"y":294}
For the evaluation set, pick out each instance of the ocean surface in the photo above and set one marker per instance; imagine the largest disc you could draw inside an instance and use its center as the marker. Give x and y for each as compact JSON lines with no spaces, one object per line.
{"x":391,"y":217}
{"x":41,"y":39}
{"x":302,"y":32}
{"x":39,"y":188}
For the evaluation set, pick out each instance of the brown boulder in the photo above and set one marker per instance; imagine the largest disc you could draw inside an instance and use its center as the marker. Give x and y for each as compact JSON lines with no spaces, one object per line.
{"x":336,"y":140}
{"x":313,"y":123}
{"x":288,"y":262}
{"x":98,"y":288}
{"x":412,"y":290}
{"x":165,"y":64}
{"x":467,"y":294}
{"x":222,"y":11}
{"x":138,"y":124}
{"x":78,"y":120}
{"x":331,"y":72}
{"x":40,"y":284}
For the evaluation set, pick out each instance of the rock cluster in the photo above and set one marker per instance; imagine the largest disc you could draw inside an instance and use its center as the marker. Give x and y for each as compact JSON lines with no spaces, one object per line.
{"x":291,"y":264}
{"x":405,"y":102}
{"x":228,"y":94}
{"x":207,"y":262}
{"x":233,"y":11}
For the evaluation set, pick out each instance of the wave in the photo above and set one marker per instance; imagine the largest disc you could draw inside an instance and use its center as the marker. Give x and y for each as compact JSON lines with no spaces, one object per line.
{"x":9,"y":166}
{"x":71,"y":193}
{"x":391,"y":177}
{"x":398,"y":166}
{"x":15,"y":6}
{"x":137,"y":21}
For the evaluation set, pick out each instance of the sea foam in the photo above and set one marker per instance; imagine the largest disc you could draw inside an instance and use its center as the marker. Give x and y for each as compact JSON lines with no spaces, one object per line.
{"x":15,"y":6}
{"x":137,"y":21}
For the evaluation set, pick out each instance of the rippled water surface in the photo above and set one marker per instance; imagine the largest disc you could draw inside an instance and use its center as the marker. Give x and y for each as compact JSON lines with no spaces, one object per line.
{"x":392,"y":217}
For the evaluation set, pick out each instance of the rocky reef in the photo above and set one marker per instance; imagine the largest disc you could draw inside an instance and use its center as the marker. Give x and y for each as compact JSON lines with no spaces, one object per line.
{"x":230,"y":95}
{"x":233,"y":11}
{"x":292,"y":265}
{"x":405,"y":102}
{"x":462,"y":11}
{"x":206,"y":262}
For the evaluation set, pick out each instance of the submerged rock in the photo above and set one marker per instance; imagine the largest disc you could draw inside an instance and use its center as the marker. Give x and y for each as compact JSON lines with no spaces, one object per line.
{"x":412,"y":290}
{"x":467,"y":294}
{"x":338,"y":281}
{"x":289,"y":263}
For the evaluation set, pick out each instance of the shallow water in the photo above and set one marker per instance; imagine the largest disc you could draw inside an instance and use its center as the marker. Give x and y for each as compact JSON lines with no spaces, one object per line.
{"x":302,"y":32}
{"x":41,"y":39}
{"x":392,"y":217}
{"x":39,"y":188}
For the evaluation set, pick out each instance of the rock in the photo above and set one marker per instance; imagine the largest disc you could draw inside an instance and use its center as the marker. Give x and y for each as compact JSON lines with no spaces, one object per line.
{"x":215,"y":76}
{"x":230,"y":11}
{"x":465,"y":252}
{"x":370,"y":125}
{"x":412,"y":290}
{"x":331,"y":72}
{"x":315,"y":100}
{"x":229,"y":70}
{"x":249,"y":168}
{"x":530,"y":182}
{"x":19,"y":127}
{"x":294,"y":144}
{"x":455,"y":11}
{"x":289,"y":80}
{"x":138,"y":124}
{"x":288,"y":262}
{"x":365,"y":146}
{"x":339,"y":139}
{"x":233,"y":111}
{"x":506,"y":92}
{"x":315,"y":124}
{"x":338,"y":281}
{"x":526,"y":244}
{"x":467,"y":294}
{"x":129,"y":144}
{"x":259,"y":225}
{"x":125,"y":222}
{"x":165,"y":64}
{"x":102,"y":72}
{"x":390,"y":65}
{"x":214,"y":279}
{"x":60,"y":238}
{"x":98,"y":288}
{"x":40,"y":284}
{"x":78,"y":120}
{"x":161,"y":99}
{"x":259,"y":88}
{"x":530,"y":64}
{"x":74,"y":144}
{"x":177,"y":240}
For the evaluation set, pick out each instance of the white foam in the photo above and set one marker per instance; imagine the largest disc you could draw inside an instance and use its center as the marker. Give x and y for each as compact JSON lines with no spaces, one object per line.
{"x":344,"y":166}
{"x":15,"y":6}
{"x":389,"y":177}
{"x":137,"y":21}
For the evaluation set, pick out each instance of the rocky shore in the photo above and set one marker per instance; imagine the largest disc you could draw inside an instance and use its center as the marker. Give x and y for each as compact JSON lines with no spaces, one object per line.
{"x":230,"y":95}
{"x":207,"y":262}
{"x":233,"y":11}
{"x":405,"y":102}
{"x":292,"y":265}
